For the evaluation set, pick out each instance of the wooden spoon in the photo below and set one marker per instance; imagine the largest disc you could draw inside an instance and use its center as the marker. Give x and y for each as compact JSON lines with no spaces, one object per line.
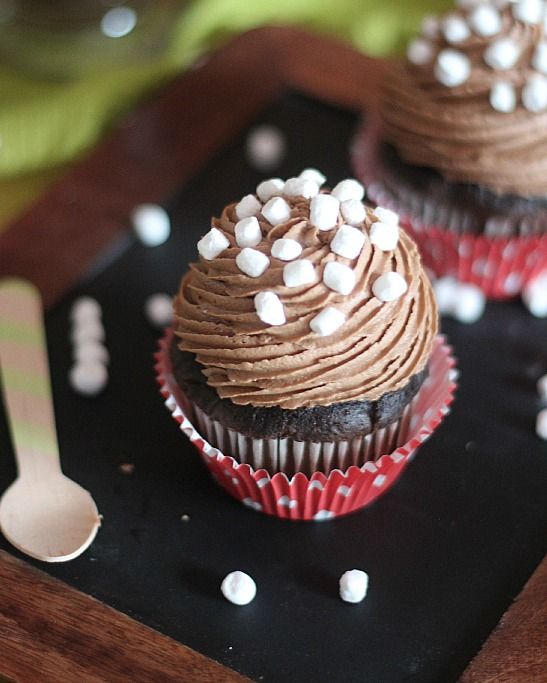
{"x":43,"y":513}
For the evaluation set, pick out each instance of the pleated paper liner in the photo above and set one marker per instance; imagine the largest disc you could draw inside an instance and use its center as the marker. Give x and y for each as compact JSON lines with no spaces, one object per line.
{"x":317,"y":495}
{"x":500,"y":266}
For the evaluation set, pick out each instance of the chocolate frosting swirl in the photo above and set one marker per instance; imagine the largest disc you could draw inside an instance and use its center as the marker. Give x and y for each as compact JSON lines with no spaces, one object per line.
{"x":378,"y":349}
{"x":456,"y":131}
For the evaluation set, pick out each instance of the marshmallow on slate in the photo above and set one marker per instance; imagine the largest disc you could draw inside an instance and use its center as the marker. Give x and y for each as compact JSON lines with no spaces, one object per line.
{"x":455,"y":28}
{"x":212,"y":244}
{"x":534,"y":93}
{"x":539,"y":60}
{"x":446,"y":292}
{"x":420,"y":51}
{"x":324,"y":211}
{"x":270,"y":188}
{"x":430,"y":26}
{"x":88,"y":377}
{"x":339,"y":277}
{"x":535,"y":296}
{"x":265,"y":147}
{"x":529,"y":11}
{"x":384,"y":236}
{"x":313,"y":174}
{"x":503,"y":97}
{"x":542,"y":387}
{"x":353,"y":211}
{"x":87,"y":330}
{"x":469,"y":303}
{"x":452,"y":68}
{"x":151,"y":224}
{"x":238,"y":588}
{"x":252,"y":262}
{"x":298,"y":273}
{"x":502,"y":54}
{"x":347,"y":242}
{"x":353,"y":585}
{"x":276,"y":211}
{"x":91,"y":351}
{"x":286,"y":249}
{"x":85,"y":308}
{"x":269,"y":308}
{"x":247,"y":232}
{"x":327,"y":322}
{"x":159,"y":309}
{"x":248,"y":206}
{"x":541,"y":424}
{"x":386,"y":215}
{"x":300,"y":187}
{"x":389,"y":286}
{"x":485,"y":20}
{"x":348,"y":189}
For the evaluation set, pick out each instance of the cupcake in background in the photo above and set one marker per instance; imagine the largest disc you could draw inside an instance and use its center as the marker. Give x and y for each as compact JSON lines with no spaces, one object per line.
{"x":459,"y":146}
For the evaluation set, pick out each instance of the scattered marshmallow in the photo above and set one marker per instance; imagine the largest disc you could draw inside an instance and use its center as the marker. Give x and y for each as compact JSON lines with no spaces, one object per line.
{"x":91,"y":351}
{"x":348,"y":189}
{"x":248,"y":206}
{"x":469,"y":304}
{"x":248,"y":232}
{"x":265,"y":147}
{"x":238,"y":588}
{"x":276,"y":211}
{"x":386,"y":215}
{"x":286,"y":249}
{"x":389,"y":286}
{"x":503,"y":97}
{"x":430,"y":26}
{"x":347,"y":242}
{"x":353,"y":212}
{"x":534,"y":296}
{"x":539,"y":60}
{"x":300,"y":187}
{"x":502,"y":54}
{"x":446,"y":292}
{"x":452,"y":68}
{"x":314,"y":175}
{"x":88,"y":330}
{"x":385,"y":236}
{"x":85,"y":308}
{"x":339,"y":277}
{"x":324,"y":210}
{"x":159,"y":310}
{"x":455,"y":28}
{"x":269,"y":308}
{"x":212,"y":244}
{"x":88,"y":377}
{"x":534,"y":93}
{"x":542,"y":387}
{"x":420,"y":52}
{"x":529,"y":11}
{"x":541,"y":424}
{"x":353,"y":585}
{"x":151,"y":224}
{"x":252,"y":262}
{"x":299,"y":273}
{"x":327,"y":322}
{"x":485,"y":20}
{"x":267,"y":189}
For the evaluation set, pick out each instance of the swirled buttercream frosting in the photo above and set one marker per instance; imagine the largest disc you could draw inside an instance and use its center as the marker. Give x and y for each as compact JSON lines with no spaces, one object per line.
{"x":471,"y":99}
{"x":303,"y":297}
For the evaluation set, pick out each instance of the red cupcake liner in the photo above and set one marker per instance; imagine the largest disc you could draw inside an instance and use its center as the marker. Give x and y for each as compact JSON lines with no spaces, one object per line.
{"x":500,"y":266}
{"x":320,"y":496}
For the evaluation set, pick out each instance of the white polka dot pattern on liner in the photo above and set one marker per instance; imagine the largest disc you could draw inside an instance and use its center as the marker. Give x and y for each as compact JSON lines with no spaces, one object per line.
{"x":212,"y":244}
{"x":252,"y":262}
{"x":348,"y":242}
{"x":328,"y":321}
{"x":339,"y":277}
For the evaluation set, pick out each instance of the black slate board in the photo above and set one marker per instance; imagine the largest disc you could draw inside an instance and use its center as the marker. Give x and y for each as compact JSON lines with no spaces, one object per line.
{"x":446,"y":549}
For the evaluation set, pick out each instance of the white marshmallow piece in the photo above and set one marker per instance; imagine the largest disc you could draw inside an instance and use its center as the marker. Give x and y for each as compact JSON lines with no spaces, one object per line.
{"x":248,"y":206}
{"x":353,"y":585}
{"x":430,"y":26}
{"x":348,"y":189}
{"x":384,"y":236}
{"x":265,"y":147}
{"x":353,"y":211}
{"x":88,"y":378}
{"x":389,"y":286}
{"x":534,"y":94}
{"x":87,"y":330}
{"x":452,"y":68}
{"x":299,"y":273}
{"x":420,"y":52}
{"x":485,"y":20}
{"x":324,"y":210}
{"x":542,"y":387}
{"x":269,"y":308}
{"x":539,"y":59}
{"x":469,"y":304}
{"x":347,"y":242}
{"x":286,"y":249}
{"x":212,"y":244}
{"x":503,"y":97}
{"x":267,"y":189}
{"x":327,"y":322}
{"x":158,"y":309}
{"x":339,"y":277}
{"x":151,"y":224}
{"x":85,"y":308}
{"x":534,"y":296}
{"x":276,"y":211}
{"x":541,"y":424}
{"x":386,"y":215}
{"x":252,"y":262}
{"x":455,"y":28}
{"x":300,"y":187}
{"x":529,"y":11}
{"x":91,"y":351}
{"x":468,"y":4}
{"x":446,"y":292}
{"x":502,"y":54}
{"x":238,"y":588}
{"x":247,"y":232}
{"x":314,"y":175}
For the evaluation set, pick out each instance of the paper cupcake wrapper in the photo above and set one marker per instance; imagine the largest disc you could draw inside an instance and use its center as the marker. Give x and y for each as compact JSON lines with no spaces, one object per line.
{"x":500,"y":266}
{"x":319,"y":496}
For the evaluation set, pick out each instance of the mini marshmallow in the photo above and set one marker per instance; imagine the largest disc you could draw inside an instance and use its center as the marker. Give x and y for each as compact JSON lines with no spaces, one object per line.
{"x":430,"y":26}
{"x":252,"y":262}
{"x":314,"y":175}
{"x":151,"y":224}
{"x":541,"y":424}
{"x":324,"y":210}
{"x":353,"y":585}
{"x":327,"y":322}
{"x":446,"y":292}
{"x":455,"y":28}
{"x":485,"y":20}
{"x":347,"y":242}
{"x":299,"y":273}
{"x":276,"y":211}
{"x":270,"y":188}
{"x":158,"y":309}
{"x":452,"y":68}
{"x":286,"y":249}
{"x":269,"y":308}
{"x":88,"y":377}
{"x":247,"y":232}
{"x":386,"y":215}
{"x":420,"y":52}
{"x":87,"y":330}
{"x":300,"y":187}
{"x":502,"y":54}
{"x":389,"y":286}
{"x":534,"y":93}
{"x":353,"y":211}
{"x":238,"y":588}
{"x":212,"y":244}
{"x":248,"y":206}
{"x":529,"y":11}
{"x":384,"y":236}
{"x":265,"y":147}
{"x":503,"y":97}
{"x":534,"y":296}
{"x":91,"y":350}
{"x":85,"y":308}
{"x":469,"y":304}
{"x":542,"y":387}
{"x":339,"y":277}
{"x":539,"y":60}
{"x":348,"y":189}
{"x":468,"y":4}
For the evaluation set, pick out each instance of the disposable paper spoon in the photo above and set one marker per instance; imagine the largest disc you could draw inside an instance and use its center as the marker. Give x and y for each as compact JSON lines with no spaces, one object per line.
{"x":43,"y":513}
